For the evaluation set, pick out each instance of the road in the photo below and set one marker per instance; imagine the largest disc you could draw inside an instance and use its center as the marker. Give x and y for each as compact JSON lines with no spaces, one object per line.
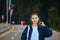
{"x":16,"y":34}
{"x":55,"y":36}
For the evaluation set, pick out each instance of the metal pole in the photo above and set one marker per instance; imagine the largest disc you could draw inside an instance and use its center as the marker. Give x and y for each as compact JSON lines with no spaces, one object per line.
{"x":7,"y":11}
{"x":10,"y":19}
{"x":10,"y":9}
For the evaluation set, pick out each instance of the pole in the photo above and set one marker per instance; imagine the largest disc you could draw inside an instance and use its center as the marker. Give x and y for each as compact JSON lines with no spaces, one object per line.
{"x":10,"y":19}
{"x":7,"y":11}
{"x":10,"y":9}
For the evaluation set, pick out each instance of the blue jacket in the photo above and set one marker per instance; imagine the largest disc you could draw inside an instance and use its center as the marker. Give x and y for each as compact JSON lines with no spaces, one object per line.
{"x":43,"y":32}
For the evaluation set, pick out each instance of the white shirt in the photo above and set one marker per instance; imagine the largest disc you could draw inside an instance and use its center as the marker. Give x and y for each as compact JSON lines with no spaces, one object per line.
{"x":35,"y":34}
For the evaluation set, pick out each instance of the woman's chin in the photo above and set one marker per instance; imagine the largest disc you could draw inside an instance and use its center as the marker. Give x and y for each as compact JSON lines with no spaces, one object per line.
{"x":34,"y":23}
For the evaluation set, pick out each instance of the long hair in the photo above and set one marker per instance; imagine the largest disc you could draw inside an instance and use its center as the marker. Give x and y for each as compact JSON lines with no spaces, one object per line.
{"x":35,"y":13}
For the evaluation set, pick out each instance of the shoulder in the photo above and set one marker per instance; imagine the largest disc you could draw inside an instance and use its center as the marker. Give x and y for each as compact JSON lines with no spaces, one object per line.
{"x":28,"y":26}
{"x":43,"y":27}
{"x":25,"y":29}
{"x":40,"y":26}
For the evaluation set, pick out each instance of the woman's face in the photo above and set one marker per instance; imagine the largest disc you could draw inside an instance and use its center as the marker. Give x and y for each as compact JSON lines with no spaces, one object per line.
{"x":34,"y":19}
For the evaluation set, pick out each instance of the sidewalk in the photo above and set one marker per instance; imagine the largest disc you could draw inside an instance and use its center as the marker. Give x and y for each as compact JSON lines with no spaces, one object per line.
{"x":55,"y":36}
{"x":5,"y":29}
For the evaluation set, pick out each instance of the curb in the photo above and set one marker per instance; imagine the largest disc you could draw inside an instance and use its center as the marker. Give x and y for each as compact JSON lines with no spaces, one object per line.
{"x":55,"y":31}
{"x":6,"y":33}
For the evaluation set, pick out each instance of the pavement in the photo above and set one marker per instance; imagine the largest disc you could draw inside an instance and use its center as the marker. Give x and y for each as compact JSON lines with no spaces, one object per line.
{"x":55,"y":36}
{"x":5,"y":29}
{"x":15,"y":35}
{"x":18,"y":29}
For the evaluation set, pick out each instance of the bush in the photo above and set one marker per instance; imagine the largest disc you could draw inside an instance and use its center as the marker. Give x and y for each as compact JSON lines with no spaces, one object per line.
{"x":54,"y":20}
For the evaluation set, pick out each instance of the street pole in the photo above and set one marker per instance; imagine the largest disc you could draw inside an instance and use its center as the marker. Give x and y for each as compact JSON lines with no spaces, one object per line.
{"x":10,"y":9}
{"x":7,"y":11}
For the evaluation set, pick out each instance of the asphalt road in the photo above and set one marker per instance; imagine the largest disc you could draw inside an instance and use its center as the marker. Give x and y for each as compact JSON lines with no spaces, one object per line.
{"x":16,"y":34}
{"x":55,"y":36}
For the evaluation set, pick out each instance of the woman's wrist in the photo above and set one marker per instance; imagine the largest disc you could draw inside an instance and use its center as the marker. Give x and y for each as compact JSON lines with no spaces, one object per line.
{"x":42,"y":24}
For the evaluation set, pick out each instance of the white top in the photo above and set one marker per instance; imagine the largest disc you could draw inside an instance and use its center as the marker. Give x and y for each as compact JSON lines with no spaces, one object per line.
{"x":35,"y":34}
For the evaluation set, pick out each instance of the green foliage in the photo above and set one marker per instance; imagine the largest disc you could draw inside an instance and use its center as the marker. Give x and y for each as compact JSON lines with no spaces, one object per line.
{"x":54,"y":19}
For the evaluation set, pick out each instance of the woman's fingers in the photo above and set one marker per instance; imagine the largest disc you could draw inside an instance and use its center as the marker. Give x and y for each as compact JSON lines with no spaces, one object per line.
{"x":42,"y":23}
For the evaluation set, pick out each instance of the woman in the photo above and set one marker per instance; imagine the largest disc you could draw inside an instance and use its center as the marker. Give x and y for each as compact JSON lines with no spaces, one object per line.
{"x":37,"y":29}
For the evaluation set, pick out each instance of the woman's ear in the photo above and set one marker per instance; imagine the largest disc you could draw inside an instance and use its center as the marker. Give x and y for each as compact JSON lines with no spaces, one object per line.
{"x":38,"y":18}
{"x":30,"y":20}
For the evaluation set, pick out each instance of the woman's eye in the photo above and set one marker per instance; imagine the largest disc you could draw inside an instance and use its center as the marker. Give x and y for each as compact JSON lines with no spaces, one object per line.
{"x":32,"y":18}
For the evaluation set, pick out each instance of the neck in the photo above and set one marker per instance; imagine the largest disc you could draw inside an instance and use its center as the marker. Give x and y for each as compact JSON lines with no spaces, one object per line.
{"x":34,"y":25}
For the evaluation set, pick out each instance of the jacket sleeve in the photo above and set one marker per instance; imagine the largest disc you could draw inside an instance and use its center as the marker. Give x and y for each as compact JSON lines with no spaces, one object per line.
{"x":24,"y":34}
{"x":47,"y":31}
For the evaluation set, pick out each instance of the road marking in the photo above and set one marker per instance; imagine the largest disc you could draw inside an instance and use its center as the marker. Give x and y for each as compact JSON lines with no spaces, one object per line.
{"x":12,"y":37}
{"x":15,"y":35}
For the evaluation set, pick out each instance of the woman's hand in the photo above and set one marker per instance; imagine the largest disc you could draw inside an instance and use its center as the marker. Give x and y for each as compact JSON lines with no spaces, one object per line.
{"x":42,"y":24}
